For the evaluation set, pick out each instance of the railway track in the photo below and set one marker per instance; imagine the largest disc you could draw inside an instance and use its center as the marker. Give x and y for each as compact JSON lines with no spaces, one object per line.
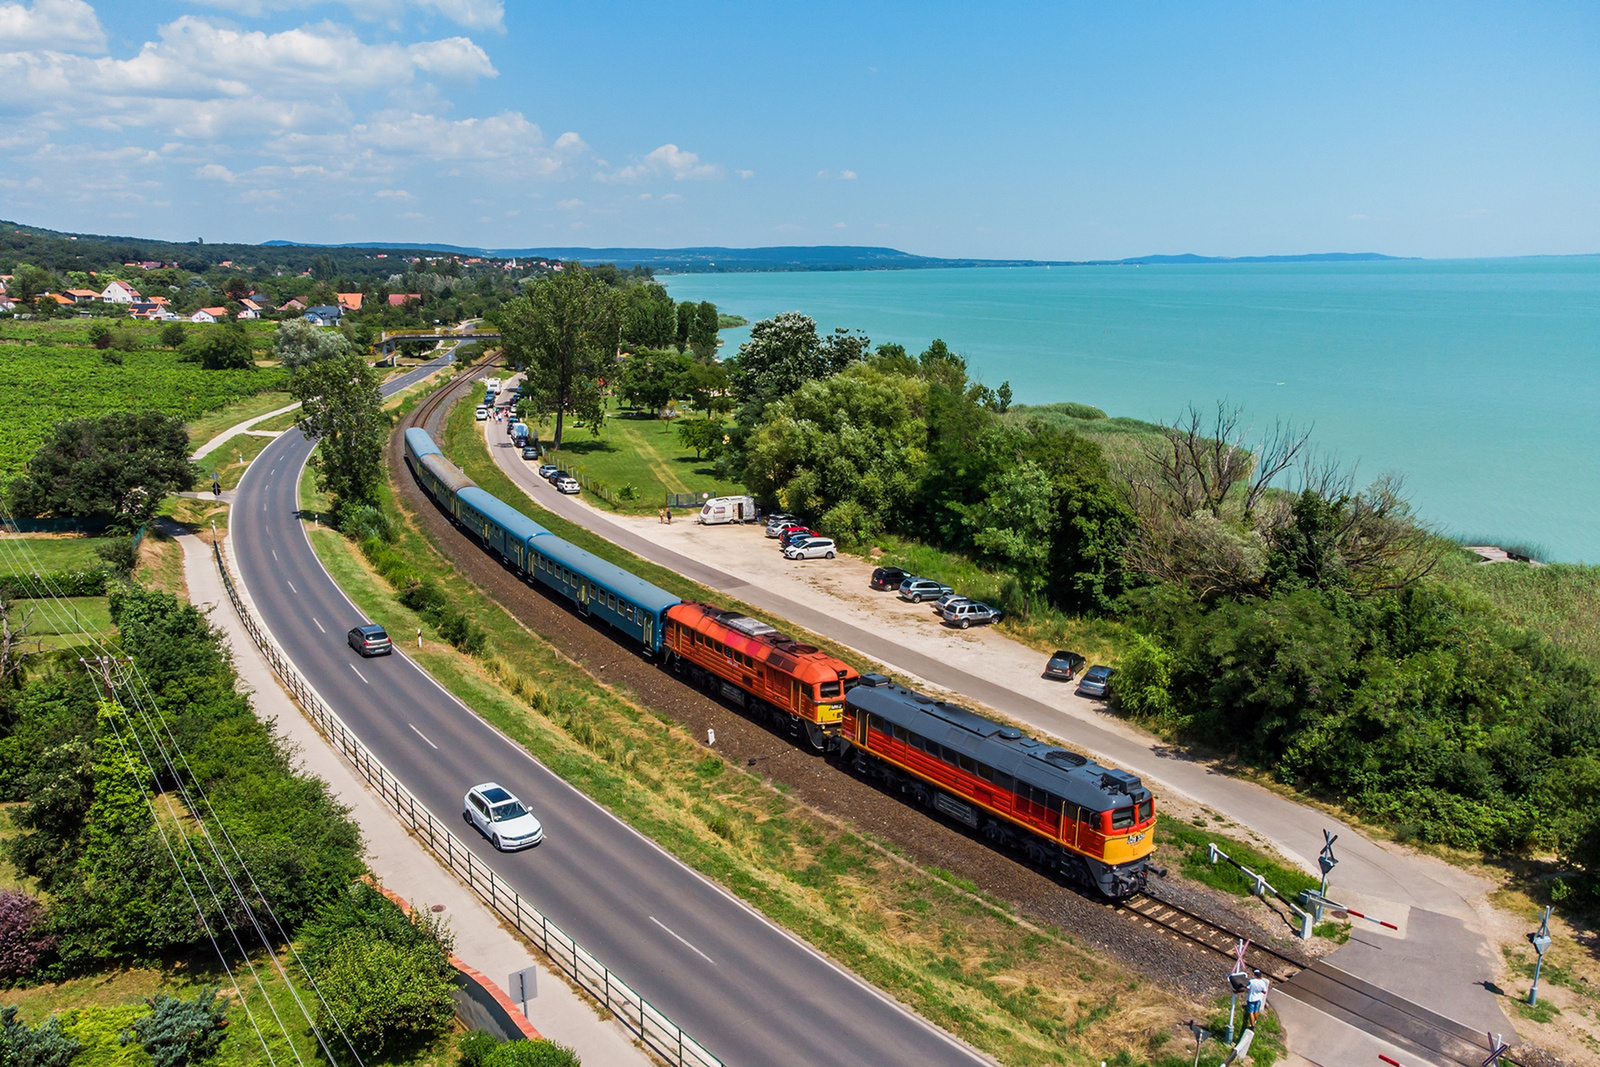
{"x":430,"y":404}
{"x":1154,"y":912}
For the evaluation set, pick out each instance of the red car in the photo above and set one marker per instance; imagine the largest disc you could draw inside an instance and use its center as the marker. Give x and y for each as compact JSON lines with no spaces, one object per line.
{"x":787,"y":536}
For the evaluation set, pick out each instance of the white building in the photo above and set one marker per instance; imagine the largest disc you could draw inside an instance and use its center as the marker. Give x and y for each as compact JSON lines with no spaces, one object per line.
{"x":119,"y":293}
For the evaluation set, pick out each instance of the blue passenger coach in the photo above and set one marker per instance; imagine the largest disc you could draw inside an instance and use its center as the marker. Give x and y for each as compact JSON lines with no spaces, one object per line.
{"x":620,"y":599}
{"x":623,"y":600}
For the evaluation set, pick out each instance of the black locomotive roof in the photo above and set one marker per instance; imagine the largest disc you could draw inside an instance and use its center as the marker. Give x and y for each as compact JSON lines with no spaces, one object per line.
{"x":1055,"y":770}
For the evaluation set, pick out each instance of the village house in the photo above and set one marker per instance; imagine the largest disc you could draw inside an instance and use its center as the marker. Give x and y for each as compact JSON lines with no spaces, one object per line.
{"x":82,"y":296}
{"x":323,"y":315}
{"x":349,"y":301}
{"x":397,"y":300}
{"x":210,"y":315}
{"x":119,"y":293}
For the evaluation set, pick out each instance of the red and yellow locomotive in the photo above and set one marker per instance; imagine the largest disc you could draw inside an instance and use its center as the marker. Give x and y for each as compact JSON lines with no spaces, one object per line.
{"x":1092,"y":823}
{"x":799,"y":686}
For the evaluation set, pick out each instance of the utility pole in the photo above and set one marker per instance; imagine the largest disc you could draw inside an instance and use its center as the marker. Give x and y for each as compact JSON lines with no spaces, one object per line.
{"x":1540,"y":940}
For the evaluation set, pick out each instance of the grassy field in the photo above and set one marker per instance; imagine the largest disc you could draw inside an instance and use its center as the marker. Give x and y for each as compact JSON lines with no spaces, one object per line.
{"x":231,"y":459}
{"x":641,"y":451}
{"x":1561,"y":600}
{"x":48,"y":372}
{"x":49,"y":552}
{"x":208,"y":426}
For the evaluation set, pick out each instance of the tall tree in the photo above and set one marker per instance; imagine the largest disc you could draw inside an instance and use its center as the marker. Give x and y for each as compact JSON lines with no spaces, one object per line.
{"x":564,"y":332}
{"x":686,"y":315}
{"x":298,"y":343}
{"x":116,"y":468}
{"x":703,"y":330}
{"x":783,"y":353}
{"x":341,"y":405}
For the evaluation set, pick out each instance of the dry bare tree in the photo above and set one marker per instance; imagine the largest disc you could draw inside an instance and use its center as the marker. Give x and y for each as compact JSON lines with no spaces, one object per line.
{"x":13,"y":639}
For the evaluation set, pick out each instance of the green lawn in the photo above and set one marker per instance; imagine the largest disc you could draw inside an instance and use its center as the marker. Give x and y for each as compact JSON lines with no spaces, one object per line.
{"x":208,"y":426}
{"x":49,"y":553}
{"x":641,"y":451}
{"x":1561,"y":601}
{"x":231,"y":459}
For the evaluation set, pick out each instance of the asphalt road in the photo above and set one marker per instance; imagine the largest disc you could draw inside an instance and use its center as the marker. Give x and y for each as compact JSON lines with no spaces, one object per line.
{"x":743,"y":988}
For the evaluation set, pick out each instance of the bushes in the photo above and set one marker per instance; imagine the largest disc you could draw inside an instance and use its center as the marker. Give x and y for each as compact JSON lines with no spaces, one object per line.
{"x":423,"y":596}
{"x":482,"y":1049}
{"x":57,"y":583}
{"x":385,"y":976}
{"x":23,"y":943}
{"x":45,"y":1045}
{"x":177,"y":1032}
{"x":87,"y":833}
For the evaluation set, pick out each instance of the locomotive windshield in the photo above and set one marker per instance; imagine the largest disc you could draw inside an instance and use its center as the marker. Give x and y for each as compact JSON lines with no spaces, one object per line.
{"x":828,"y":690}
{"x":1122,"y":818}
{"x":1146,"y":809}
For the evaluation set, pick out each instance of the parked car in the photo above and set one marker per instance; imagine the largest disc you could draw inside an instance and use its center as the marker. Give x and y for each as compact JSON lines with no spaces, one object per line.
{"x":481,"y":414}
{"x":794,"y":533}
{"x":810,"y":548}
{"x":1063,"y":665}
{"x":1096,"y":682}
{"x":567,"y":484}
{"x":530,"y":451}
{"x":917,"y":590}
{"x":785,"y":528}
{"x":547,"y":469}
{"x":370,"y":640}
{"x":948,"y":599}
{"x":888,"y":577}
{"x":962,"y":613}
{"x":556,"y":475}
{"x":501,"y":817}
{"x":776,"y":523}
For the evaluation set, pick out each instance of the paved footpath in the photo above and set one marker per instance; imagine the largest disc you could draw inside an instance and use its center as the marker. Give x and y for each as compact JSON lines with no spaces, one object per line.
{"x":395,"y":857}
{"x":1438,"y":957}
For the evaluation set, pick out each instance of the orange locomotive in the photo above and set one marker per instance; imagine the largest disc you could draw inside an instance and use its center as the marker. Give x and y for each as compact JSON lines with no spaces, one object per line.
{"x":800,"y":687}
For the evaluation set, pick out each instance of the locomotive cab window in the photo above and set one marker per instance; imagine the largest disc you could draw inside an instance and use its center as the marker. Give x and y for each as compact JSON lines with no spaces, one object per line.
{"x":900,"y":733}
{"x":1122,"y":818}
{"x":1146,"y":809}
{"x":828,"y":690}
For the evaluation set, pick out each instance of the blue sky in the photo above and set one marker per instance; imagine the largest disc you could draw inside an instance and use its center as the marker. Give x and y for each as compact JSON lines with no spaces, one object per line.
{"x":1045,"y":131}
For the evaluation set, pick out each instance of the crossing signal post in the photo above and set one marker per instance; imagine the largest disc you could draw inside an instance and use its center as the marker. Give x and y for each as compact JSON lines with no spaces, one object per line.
{"x":1327,"y":862}
{"x":1540,"y":940}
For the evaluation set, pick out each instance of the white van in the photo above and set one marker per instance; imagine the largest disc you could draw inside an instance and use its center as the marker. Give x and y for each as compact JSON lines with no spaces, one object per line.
{"x":720,"y":509}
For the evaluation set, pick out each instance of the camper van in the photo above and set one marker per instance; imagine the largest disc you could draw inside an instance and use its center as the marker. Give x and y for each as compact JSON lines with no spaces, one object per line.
{"x":720,"y":509}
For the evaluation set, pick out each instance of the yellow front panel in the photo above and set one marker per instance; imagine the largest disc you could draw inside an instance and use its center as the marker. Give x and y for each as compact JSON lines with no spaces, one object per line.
{"x":1129,"y":847}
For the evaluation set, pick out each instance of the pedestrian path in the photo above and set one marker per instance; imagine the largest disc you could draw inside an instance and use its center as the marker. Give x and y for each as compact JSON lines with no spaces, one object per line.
{"x":399,"y":862}
{"x":242,"y":427}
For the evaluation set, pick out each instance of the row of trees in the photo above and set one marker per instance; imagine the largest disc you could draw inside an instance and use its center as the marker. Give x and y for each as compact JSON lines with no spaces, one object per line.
{"x":1272,"y":607}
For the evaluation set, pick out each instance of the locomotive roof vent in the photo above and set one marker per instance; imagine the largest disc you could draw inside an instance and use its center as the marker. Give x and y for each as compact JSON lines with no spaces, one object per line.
{"x":874,"y":681}
{"x":746,"y":625}
{"x":1121,"y":782}
{"x":1010,"y":733}
{"x":1061,"y":755}
{"x":804,"y":650}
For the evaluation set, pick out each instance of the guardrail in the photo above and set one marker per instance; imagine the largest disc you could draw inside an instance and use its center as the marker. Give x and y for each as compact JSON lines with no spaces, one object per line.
{"x":659,"y":1033}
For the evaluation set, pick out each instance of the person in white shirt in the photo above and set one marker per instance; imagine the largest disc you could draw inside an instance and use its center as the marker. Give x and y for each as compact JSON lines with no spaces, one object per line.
{"x":1257,"y":998}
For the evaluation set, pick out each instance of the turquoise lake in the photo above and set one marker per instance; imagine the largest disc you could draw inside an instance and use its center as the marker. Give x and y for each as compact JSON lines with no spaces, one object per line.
{"x":1477,"y":380}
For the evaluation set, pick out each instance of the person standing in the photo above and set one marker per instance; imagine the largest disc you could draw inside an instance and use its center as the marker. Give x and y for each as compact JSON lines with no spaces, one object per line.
{"x":1256,"y":1001}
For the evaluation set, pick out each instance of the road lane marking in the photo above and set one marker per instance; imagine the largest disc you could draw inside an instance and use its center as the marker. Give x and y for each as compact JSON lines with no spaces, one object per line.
{"x":274,"y":555}
{"x":319,"y":625}
{"x":424,"y":736}
{"x":291,"y":587}
{"x":685,"y":940}
{"x":359,"y":674}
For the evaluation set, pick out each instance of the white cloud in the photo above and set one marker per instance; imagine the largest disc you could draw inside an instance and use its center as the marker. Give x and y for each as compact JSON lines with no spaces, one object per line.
{"x":847,"y":175}
{"x":671,"y":196}
{"x":473,"y":14}
{"x":669,"y":159}
{"x":839,"y":226}
{"x":823,"y":174}
{"x":58,"y":25}
{"x":747,"y":174}
{"x":395,"y":194}
{"x":215,"y":172}
{"x":569,"y":205}
{"x":1359,"y":218}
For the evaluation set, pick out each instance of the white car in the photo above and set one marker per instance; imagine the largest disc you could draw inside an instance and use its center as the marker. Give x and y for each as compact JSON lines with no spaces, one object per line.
{"x":482,"y":414}
{"x":501,"y":818}
{"x":568,"y":485}
{"x":810,"y":548}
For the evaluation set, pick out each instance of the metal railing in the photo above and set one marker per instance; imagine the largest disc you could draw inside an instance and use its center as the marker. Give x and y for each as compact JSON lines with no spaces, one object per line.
{"x":658,"y":1032}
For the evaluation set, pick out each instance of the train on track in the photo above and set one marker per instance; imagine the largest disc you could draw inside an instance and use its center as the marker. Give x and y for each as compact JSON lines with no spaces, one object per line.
{"x":1094,"y":824}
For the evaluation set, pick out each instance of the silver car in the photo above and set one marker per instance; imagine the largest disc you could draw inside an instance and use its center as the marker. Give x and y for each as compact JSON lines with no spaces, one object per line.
{"x":962,"y":613}
{"x":917,"y":590}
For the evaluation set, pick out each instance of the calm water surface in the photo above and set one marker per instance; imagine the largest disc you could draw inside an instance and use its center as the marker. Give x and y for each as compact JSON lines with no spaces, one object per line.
{"x":1479,"y":380}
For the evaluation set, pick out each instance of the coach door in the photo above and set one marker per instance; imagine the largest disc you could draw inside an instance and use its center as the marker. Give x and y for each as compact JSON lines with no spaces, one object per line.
{"x":583,"y":595}
{"x":649,"y":631}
